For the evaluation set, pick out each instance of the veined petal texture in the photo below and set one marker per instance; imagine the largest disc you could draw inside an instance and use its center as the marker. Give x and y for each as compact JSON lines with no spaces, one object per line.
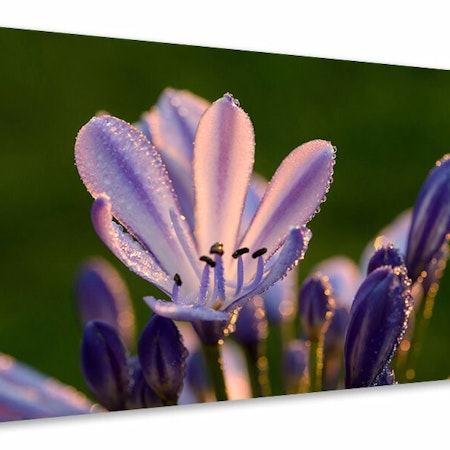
{"x":172,"y":125}
{"x":116,"y":159}
{"x":293,"y":196}
{"x":128,"y":250}
{"x":223,"y":163}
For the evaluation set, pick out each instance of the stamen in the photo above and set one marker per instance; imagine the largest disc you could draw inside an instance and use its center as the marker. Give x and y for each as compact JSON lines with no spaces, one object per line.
{"x":259,"y":268}
{"x":177,"y":279}
{"x":204,"y":284}
{"x":240,"y":252}
{"x":207,"y":260}
{"x":240,"y":276}
{"x":259,"y":252}
{"x":219,"y":279}
{"x":176,"y":287}
{"x":216,"y":248}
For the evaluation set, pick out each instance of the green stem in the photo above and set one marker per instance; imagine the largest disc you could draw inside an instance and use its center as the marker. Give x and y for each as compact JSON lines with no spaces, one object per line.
{"x":407,"y":360}
{"x":315,"y":364}
{"x":257,"y":370}
{"x":275,"y":349}
{"x":214,"y":363}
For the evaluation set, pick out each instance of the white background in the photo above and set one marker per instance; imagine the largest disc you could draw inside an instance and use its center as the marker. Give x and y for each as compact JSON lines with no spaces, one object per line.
{"x":402,"y":33}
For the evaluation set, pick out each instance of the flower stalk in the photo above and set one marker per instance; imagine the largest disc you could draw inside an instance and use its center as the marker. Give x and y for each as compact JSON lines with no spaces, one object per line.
{"x":215,"y":368}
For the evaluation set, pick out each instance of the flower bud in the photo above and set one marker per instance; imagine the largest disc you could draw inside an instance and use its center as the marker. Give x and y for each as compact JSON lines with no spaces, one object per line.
{"x":101,"y":294}
{"x":162,"y":357}
{"x":430,"y":226}
{"x":386,"y":255}
{"x":378,"y":320}
{"x":141,"y":394}
{"x":316,"y":305}
{"x":104,"y":364}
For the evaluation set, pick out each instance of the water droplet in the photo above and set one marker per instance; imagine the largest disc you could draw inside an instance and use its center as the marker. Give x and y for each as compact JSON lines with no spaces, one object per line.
{"x":231,"y":99}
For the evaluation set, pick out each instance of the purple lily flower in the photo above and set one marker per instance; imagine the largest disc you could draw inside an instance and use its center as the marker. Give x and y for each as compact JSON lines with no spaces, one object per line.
{"x":194,"y":248}
{"x":378,"y":320}
{"x":26,"y":393}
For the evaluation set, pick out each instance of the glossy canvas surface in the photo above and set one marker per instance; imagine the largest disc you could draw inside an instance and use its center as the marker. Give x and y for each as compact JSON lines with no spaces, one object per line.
{"x":387,"y":123}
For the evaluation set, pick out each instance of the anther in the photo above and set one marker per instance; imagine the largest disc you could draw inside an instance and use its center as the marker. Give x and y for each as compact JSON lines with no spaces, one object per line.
{"x":240,"y":252}
{"x":217,"y":248}
{"x":207,"y":260}
{"x":177,"y":279}
{"x":259,"y":252}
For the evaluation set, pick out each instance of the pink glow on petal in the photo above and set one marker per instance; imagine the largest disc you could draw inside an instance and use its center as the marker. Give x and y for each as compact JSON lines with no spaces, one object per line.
{"x":223,"y":162}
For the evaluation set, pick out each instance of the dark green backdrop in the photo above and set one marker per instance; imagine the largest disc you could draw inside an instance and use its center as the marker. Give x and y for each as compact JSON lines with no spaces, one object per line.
{"x":389,"y":124}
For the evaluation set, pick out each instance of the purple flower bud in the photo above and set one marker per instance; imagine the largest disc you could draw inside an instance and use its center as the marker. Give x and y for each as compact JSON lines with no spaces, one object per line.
{"x":251,"y":324}
{"x":162,"y":356}
{"x":101,"y":294}
{"x":296,"y":366}
{"x":430,"y":226}
{"x":316,"y":305}
{"x":378,"y":320}
{"x":104,"y":364}
{"x":141,"y":394}
{"x":386,"y":255}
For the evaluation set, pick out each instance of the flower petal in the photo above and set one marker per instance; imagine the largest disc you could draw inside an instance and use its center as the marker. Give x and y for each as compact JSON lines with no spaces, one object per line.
{"x":28,"y":394}
{"x":116,"y":159}
{"x":184,"y":312}
{"x":293,"y":196}
{"x":258,"y":186}
{"x":172,"y":125}
{"x":129,"y":251}
{"x":223,"y":161}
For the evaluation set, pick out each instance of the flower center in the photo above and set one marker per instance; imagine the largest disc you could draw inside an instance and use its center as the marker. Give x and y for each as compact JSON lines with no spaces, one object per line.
{"x":222,"y":287}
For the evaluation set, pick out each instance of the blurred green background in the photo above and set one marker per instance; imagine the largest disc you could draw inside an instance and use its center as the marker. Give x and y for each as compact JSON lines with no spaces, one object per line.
{"x":389,"y":124}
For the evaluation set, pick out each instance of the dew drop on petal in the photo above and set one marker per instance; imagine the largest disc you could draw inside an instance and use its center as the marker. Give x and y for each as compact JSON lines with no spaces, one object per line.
{"x":231,"y":99}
